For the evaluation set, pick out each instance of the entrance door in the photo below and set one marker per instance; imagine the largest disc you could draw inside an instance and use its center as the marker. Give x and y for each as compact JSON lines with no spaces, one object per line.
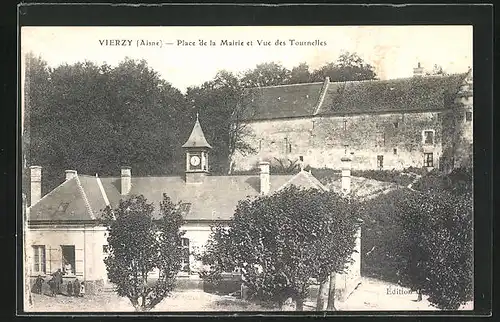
{"x":68,"y":259}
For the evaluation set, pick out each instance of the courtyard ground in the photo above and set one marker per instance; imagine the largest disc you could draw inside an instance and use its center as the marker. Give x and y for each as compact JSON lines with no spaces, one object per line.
{"x":369,"y":296}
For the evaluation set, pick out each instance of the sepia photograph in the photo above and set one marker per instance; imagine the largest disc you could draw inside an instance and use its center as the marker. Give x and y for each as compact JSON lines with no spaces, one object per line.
{"x":247,"y":168}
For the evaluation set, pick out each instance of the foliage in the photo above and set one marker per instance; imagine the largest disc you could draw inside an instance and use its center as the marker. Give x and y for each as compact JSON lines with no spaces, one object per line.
{"x":459,"y":181}
{"x":421,"y":240}
{"x":398,"y":177}
{"x":287,"y":166}
{"x":280,"y":242}
{"x":96,"y":118}
{"x":437,"y":245}
{"x":139,"y":243}
{"x":348,"y":67}
{"x":266,"y":74}
{"x":220,"y":103}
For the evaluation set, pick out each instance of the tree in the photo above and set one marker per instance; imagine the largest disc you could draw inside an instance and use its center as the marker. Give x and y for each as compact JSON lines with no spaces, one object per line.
{"x":96,"y":118}
{"x":283,"y":241}
{"x":348,"y":67}
{"x":266,"y":74}
{"x":437,"y":237}
{"x":222,"y":104}
{"x":300,"y":74}
{"x":142,"y":242}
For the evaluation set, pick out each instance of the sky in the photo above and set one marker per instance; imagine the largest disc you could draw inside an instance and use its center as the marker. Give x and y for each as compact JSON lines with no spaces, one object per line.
{"x":393,"y":50}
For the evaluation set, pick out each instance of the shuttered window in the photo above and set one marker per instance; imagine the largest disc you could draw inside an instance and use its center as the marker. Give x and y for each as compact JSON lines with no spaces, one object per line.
{"x":39,"y":265}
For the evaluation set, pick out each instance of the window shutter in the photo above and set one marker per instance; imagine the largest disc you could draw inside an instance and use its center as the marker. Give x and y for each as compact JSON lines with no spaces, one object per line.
{"x":54,"y":259}
{"x":79,"y":264}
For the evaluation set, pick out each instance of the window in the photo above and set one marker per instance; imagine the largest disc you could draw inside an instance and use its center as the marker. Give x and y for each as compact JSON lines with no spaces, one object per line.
{"x":468,"y":116}
{"x":185,"y":255}
{"x":39,"y":258}
{"x":380,"y":139}
{"x":346,"y":146}
{"x":428,"y":160}
{"x":345,"y":125}
{"x":105,"y":249}
{"x":289,"y":147}
{"x":380,"y":161}
{"x":395,"y":151}
{"x":260,"y":145}
{"x":396,"y":124}
{"x":301,"y":158}
{"x":429,"y":137}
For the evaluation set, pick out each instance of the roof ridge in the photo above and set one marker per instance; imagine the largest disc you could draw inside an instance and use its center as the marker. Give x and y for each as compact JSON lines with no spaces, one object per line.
{"x":50,"y":192}
{"x":85,"y":199}
{"x":285,"y":85}
{"x":322,"y":95}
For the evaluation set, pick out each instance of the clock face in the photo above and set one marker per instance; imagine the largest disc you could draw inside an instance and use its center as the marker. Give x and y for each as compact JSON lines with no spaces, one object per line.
{"x":195,"y":160}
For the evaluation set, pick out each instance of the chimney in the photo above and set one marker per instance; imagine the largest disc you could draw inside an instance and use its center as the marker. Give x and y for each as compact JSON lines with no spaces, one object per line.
{"x":36,"y":184}
{"x":265,"y":184}
{"x":70,"y":174}
{"x":346,"y":174}
{"x":418,"y":71}
{"x":126,"y":180}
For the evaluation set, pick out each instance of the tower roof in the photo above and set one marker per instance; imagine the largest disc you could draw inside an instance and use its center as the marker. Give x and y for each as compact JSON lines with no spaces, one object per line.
{"x":197,"y":138}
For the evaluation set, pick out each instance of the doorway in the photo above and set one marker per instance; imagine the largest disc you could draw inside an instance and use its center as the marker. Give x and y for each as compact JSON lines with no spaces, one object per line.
{"x":68,"y":259}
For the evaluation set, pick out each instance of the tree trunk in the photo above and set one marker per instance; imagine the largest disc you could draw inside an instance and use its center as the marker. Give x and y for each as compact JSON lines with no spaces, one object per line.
{"x":331,"y":293}
{"x":299,"y":304}
{"x":419,"y":297}
{"x":320,"y":301}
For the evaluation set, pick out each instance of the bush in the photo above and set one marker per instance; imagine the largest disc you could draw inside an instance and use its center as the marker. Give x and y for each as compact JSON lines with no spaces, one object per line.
{"x":397,"y":177}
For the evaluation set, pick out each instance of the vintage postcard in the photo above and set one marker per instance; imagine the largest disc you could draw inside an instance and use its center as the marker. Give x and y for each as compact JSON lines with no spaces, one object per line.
{"x":247,"y":169}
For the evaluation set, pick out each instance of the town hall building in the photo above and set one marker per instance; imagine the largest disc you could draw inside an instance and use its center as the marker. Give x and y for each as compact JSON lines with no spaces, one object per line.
{"x":63,"y":229}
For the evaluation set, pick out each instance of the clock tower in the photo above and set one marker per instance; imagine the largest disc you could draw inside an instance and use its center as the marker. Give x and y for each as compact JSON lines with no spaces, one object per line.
{"x":196,"y":148}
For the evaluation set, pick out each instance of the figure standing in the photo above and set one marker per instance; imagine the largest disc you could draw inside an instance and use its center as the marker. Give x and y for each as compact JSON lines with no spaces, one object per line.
{"x":76,"y":287}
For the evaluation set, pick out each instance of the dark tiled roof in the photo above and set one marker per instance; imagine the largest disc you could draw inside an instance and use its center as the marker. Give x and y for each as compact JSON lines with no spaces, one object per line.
{"x":415,"y":93}
{"x":81,"y":198}
{"x":65,"y":202}
{"x":300,"y":100}
{"x":282,"y":101}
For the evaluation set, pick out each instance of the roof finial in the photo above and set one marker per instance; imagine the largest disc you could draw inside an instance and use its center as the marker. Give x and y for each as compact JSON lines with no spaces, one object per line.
{"x":197,"y":116}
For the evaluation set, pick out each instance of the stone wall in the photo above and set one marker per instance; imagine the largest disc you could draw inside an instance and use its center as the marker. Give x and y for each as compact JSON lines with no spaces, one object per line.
{"x":321,"y":141}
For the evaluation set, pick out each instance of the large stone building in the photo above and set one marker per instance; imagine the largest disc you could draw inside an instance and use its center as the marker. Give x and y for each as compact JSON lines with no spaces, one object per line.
{"x":63,"y":229}
{"x":421,"y":121}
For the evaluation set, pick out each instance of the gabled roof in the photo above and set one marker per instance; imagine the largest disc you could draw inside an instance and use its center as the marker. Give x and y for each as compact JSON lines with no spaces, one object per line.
{"x":273,"y":102}
{"x":305,"y":180}
{"x":305,"y":100}
{"x":82,"y":199}
{"x":197,"y":138}
{"x":410,"y":94}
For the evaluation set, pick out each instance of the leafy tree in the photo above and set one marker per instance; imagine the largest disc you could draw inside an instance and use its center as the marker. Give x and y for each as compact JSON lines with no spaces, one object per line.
{"x":266,"y":74}
{"x":300,"y":74}
{"x":348,"y":67}
{"x":221,"y":106}
{"x":95,"y":118}
{"x":437,"y":247}
{"x":282,"y":241}
{"x":142,"y":242}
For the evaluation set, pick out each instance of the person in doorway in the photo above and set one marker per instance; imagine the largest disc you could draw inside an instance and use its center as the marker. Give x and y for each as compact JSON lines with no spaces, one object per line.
{"x":67,"y":267}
